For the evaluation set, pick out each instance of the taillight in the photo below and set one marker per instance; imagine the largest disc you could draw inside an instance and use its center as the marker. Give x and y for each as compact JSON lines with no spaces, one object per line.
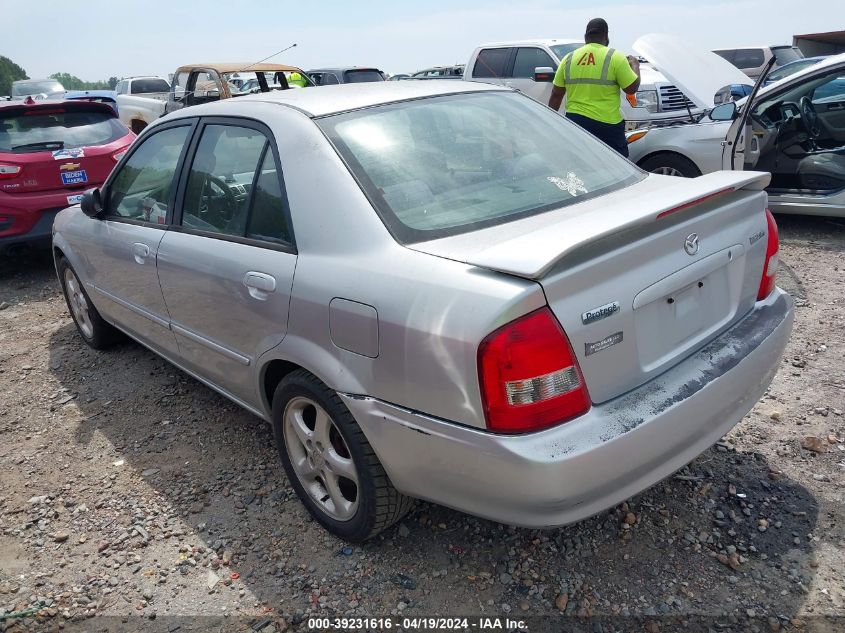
{"x":770,"y":267}
{"x":10,"y":171}
{"x":529,"y":377}
{"x":118,"y":155}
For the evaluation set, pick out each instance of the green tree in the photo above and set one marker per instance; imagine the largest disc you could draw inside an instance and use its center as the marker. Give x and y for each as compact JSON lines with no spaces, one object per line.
{"x":9,"y":72}
{"x":72,"y":82}
{"x":113,"y":82}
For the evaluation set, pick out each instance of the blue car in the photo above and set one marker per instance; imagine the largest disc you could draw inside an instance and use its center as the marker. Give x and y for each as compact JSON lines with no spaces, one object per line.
{"x":109,"y":97}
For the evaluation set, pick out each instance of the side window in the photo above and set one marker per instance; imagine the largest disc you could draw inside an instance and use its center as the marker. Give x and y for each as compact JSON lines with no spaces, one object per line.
{"x":217,"y":197}
{"x":491,"y":62}
{"x":141,"y":189}
{"x":267,"y":218}
{"x":749,"y":58}
{"x":528,"y":59}
{"x":317,"y":78}
{"x":330,"y":79}
{"x":831,"y":94}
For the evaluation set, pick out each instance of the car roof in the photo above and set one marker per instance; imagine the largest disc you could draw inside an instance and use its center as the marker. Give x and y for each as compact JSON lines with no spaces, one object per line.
{"x":315,"y":102}
{"x":546,"y":42}
{"x":32,"y":81}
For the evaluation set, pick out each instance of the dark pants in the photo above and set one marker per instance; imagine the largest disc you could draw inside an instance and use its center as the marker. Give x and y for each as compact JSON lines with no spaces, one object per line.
{"x":612,"y":134}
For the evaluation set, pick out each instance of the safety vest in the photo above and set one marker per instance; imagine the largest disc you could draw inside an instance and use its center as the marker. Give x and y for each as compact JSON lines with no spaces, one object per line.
{"x":592,"y":75}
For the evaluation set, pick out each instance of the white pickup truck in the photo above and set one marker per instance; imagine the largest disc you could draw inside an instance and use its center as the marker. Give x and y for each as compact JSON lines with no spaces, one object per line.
{"x":141,"y":100}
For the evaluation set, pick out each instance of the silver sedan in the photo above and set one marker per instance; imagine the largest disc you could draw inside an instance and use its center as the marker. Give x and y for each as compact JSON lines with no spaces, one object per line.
{"x":435,"y":290}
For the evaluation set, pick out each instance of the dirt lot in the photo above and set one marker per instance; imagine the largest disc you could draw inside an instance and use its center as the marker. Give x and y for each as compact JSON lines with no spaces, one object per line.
{"x":132,"y":496}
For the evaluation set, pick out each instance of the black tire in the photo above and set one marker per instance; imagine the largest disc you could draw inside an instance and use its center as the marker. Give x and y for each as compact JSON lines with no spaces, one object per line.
{"x":380,"y":505}
{"x":101,"y":334}
{"x":667,"y":162}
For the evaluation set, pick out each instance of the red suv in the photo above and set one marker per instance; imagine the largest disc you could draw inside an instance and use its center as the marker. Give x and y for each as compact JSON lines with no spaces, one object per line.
{"x":50,"y":152}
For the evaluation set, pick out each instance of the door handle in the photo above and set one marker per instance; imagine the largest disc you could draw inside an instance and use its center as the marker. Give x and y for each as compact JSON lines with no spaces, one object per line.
{"x":140,"y":252}
{"x":259,"y":285}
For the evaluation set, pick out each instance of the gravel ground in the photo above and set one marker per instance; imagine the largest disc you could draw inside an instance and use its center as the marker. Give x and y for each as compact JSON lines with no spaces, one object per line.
{"x":133,"y":496}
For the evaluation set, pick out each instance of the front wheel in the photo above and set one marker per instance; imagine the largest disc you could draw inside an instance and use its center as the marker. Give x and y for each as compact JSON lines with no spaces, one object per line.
{"x":93,"y":328}
{"x":329,"y":462}
{"x":671,"y":165}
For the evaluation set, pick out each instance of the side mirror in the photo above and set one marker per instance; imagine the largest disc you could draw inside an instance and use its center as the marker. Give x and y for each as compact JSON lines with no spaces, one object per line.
{"x":92,"y":203}
{"x":214,"y":93}
{"x":544,"y":74}
{"x":723,"y":112}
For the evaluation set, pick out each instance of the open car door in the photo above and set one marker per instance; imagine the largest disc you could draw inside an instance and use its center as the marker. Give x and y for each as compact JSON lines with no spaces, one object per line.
{"x":735,"y":155}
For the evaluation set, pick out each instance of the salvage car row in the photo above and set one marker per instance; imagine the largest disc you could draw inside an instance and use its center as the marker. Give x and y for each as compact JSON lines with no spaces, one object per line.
{"x":433,"y":289}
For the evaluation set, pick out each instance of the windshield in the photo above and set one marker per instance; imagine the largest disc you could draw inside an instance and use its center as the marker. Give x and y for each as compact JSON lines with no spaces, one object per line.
{"x":790,"y":69}
{"x":35,"y":88}
{"x":562,"y":50}
{"x":445,"y":165}
{"x":786,"y":54}
{"x":65,"y":129}
{"x":362,"y":76}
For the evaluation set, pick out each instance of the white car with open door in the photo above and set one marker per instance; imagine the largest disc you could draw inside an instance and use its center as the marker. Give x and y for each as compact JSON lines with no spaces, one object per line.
{"x":794,"y":128}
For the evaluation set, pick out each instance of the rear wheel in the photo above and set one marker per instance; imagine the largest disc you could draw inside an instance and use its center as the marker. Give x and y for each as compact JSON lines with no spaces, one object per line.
{"x":93,"y":329}
{"x":671,"y":165}
{"x":329,"y":462}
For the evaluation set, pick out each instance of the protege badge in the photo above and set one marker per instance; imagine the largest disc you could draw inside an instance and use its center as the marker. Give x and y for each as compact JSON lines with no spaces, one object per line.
{"x":602,"y":312}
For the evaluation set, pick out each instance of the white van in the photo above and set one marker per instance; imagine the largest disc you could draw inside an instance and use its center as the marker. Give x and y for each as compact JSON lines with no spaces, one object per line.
{"x":518,"y":64}
{"x":753,"y":59}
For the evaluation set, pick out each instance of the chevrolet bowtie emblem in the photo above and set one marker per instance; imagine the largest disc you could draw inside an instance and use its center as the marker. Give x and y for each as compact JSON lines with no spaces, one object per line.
{"x":70,"y":166}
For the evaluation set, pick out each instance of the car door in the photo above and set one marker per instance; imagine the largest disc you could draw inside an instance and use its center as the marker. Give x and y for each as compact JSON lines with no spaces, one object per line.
{"x":526,"y":60}
{"x":735,"y":154}
{"x":226,"y":267}
{"x":123,"y":242}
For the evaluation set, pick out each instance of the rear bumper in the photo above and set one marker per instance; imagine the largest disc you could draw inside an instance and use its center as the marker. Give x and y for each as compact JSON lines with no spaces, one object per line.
{"x":29,"y":216}
{"x":618,"y":449}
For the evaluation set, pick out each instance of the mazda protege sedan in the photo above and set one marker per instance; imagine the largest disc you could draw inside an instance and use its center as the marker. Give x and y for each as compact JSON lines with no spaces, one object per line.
{"x":435,"y":290}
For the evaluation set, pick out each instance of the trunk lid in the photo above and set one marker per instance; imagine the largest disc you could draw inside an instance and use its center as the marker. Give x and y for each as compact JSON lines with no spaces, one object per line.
{"x":698,"y":74}
{"x":70,"y":145}
{"x":633,"y":298}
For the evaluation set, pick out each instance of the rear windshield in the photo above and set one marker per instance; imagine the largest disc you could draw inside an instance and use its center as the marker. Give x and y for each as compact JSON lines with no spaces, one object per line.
{"x":35,"y":88}
{"x":787,"y":54}
{"x":446,"y":165}
{"x":362,"y":76}
{"x":143,"y":86}
{"x":27,"y":130}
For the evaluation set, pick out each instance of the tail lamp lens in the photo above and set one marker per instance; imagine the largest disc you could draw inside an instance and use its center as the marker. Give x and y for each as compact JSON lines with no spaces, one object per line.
{"x":770,"y":267}
{"x":529,"y":377}
{"x":10,"y":171}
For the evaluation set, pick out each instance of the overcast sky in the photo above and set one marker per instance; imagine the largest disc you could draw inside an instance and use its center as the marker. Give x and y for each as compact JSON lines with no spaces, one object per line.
{"x":100,"y":38}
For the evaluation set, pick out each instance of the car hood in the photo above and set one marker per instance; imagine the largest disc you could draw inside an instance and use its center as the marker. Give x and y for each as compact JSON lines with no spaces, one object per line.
{"x":698,"y":74}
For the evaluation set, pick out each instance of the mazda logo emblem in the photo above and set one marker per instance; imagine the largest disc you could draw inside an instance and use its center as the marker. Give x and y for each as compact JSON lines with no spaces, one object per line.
{"x":691,"y":244}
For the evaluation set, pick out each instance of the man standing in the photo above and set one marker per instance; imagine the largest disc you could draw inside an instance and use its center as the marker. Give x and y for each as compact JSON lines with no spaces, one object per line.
{"x":591,"y":78}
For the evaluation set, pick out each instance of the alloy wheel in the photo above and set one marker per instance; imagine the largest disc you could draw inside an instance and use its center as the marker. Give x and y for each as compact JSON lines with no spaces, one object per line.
{"x":667,"y":171}
{"x":320,"y":458}
{"x":78,"y":304}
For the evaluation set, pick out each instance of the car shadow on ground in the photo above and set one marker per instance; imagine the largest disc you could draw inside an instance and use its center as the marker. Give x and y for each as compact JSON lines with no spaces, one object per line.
{"x":729,"y":532}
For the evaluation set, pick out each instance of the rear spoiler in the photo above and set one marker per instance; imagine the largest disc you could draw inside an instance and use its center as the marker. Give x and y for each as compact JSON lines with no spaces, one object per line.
{"x":532,"y":246}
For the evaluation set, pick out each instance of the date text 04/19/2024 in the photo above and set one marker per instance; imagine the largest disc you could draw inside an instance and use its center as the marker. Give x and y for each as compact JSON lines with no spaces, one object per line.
{"x":416,"y":623}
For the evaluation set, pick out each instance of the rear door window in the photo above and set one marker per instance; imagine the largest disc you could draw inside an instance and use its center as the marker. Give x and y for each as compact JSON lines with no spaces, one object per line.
{"x":233,"y":186}
{"x":491,"y":62}
{"x":62,"y":127}
{"x":528,"y":59}
{"x":142,"y":189}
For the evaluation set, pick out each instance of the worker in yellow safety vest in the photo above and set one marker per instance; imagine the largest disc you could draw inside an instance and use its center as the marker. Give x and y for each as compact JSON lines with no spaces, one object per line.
{"x":591,"y":77}
{"x":296,"y":79}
